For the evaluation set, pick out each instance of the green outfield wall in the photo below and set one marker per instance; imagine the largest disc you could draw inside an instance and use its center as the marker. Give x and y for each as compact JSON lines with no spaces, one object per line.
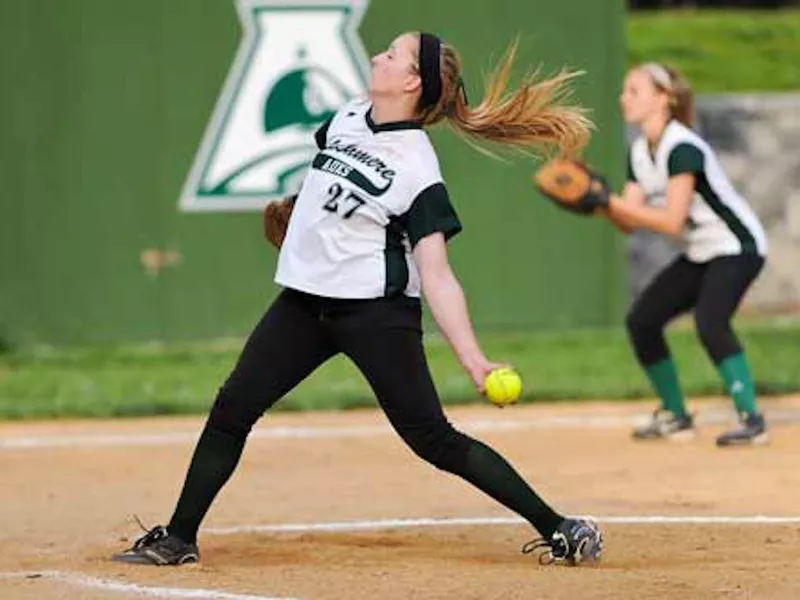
{"x":104,"y":104}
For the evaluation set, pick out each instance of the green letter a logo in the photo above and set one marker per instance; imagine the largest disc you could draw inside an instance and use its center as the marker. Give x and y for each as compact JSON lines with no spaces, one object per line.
{"x":298,"y":62}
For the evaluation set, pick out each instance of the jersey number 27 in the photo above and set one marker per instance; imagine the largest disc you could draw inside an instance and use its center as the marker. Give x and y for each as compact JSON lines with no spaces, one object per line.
{"x":343,"y":202}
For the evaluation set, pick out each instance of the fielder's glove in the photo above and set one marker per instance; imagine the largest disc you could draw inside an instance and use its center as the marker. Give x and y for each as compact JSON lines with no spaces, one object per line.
{"x":572,"y":186}
{"x":276,"y":219}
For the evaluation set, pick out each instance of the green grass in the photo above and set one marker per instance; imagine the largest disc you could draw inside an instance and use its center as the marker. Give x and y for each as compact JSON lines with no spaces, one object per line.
{"x":722,"y":51}
{"x":135,"y":380}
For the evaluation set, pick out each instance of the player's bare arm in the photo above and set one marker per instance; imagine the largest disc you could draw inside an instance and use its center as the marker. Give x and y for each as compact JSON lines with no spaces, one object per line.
{"x":632,"y":195}
{"x":669,"y":220}
{"x":449,"y":307}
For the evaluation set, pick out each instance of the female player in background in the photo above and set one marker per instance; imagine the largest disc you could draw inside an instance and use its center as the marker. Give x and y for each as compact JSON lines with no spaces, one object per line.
{"x":367,"y":234}
{"x":676,"y":186}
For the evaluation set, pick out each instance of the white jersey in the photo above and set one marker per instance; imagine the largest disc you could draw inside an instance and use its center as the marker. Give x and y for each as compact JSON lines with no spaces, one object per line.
{"x":372,"y":192}
{"x":720,"y":222}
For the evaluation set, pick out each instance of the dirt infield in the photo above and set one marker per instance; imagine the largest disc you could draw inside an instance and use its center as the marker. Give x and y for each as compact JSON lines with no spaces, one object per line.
{"x":69,"y":490}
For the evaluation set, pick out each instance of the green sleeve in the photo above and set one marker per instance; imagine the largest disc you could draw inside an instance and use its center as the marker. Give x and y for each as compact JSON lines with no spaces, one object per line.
{"x":685,"y":158}
{"x":430,"y":212}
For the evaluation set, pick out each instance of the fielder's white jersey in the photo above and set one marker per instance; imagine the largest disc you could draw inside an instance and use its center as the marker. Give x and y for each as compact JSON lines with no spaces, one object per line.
{"x":720,"y":222}
{"x":372,"y":192}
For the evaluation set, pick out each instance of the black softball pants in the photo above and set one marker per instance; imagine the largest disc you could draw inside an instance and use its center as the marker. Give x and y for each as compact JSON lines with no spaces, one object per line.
{"x":713,"y":289}
{"x":383,"y":337}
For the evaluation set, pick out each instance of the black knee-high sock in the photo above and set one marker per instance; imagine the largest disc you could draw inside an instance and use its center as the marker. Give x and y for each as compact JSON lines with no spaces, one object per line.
{"x":488,"y":471}
{"x":215,"y":457}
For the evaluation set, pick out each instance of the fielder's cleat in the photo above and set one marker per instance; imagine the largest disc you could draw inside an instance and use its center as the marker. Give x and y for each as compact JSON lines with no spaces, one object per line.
{"x":752,"y":430}
{"x":158,"y":547}
{"x":665,"y":425}
{"x":575,"y":541}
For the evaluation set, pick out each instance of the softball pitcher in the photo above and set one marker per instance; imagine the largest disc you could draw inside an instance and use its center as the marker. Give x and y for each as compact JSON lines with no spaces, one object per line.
{"x":676,"y":186}
{"x":367,"y":235}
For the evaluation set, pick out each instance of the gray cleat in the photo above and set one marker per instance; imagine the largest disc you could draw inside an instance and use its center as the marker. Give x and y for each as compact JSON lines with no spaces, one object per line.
{"x":752,"y":431}
{"x":575,"y":541}
{"x":158,"y":547}
{"x":664,"y":425}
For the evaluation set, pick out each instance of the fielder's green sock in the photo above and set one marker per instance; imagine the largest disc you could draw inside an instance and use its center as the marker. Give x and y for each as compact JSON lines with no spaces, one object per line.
{"x":739,"y":382}
{"x":664,"y":377}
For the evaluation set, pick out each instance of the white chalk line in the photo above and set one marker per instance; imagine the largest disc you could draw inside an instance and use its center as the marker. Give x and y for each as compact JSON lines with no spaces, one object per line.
{"x":362,"y":431}
{"x":110,"y":585}
{"x":89,"y":582}
{"x":382,"y":524}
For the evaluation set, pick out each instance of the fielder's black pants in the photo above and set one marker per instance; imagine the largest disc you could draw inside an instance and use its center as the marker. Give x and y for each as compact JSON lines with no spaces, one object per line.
{"x":713,"y":290}
{"x":383,"y":337}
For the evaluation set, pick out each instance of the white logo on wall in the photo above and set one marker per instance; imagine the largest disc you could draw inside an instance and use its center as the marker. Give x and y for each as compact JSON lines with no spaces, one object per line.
{"x":297,"y":63}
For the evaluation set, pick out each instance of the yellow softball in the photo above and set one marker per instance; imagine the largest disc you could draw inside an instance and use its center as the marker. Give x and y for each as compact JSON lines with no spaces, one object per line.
{"x":503,"y":386}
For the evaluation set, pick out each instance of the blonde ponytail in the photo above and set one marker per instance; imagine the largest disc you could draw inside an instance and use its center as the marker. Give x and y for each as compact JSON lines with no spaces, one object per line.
{"x":537,"y":116}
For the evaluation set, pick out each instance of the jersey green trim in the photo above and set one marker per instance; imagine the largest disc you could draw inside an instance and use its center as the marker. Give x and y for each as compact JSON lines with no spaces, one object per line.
{"x":430,"y":212}
{"x":724,"y":212}
{"x":395,"y":258}
{"x":685,"y":158}
{"x":391,"y":126}
{"x":688,"y":158}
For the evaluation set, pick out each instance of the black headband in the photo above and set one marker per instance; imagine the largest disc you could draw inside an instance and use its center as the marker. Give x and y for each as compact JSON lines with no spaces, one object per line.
{"x":430,"y":69}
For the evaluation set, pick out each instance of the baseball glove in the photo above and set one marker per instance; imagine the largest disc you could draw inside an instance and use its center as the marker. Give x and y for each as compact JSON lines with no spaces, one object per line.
{"x":276,"y":219}
{"x":572,"y":186}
